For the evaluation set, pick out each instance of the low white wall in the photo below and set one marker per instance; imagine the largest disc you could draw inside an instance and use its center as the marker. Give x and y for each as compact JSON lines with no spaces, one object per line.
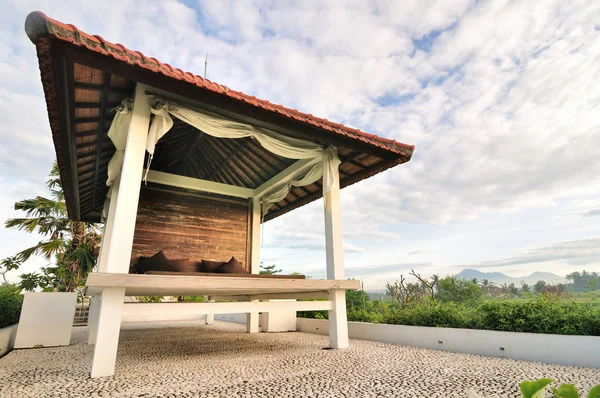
{"x":141,"y":312}
{"x":7,"y":339}
{"x":46,"y":319}
{"x":234,"y":318}
{"x":549,"y":348}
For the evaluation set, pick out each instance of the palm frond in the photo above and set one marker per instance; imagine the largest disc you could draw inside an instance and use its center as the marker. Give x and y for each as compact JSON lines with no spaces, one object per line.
{"x":54,"y":180}
{"x":45,"y":248}
{"x":84,"y":256}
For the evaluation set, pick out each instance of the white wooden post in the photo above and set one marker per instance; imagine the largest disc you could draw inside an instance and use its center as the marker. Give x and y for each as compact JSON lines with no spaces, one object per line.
{"x":338,"y":323}
{"x":109,"y":324}
{"x":93,"y":315}
{"x":102,"y":261}
{"x":210,"y":318}
{"x":252,"y":317}
{"x":119,"y":246}
{"x":108,"y":227}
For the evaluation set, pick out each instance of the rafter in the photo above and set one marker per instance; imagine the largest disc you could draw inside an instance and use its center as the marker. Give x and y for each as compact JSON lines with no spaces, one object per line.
{"x":224,"y":162}
{"x":100,"y":87}
{"x":193,"y":147}
{"x":99,"y":133}
{"x":233,"y":162}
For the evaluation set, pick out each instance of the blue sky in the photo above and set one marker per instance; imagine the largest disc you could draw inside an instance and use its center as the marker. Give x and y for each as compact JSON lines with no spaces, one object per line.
{"x":501,"y":99}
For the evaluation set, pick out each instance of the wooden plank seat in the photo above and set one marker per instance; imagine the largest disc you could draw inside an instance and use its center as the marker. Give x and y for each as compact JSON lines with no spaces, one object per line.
{"x":210,"y":285}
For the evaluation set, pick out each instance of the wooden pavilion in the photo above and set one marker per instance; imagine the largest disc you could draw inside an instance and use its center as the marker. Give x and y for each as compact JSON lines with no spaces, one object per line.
{"x":219,"y":162}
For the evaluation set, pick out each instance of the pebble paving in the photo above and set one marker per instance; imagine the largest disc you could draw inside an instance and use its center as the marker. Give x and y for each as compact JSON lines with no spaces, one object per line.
{"x":187,"y":359}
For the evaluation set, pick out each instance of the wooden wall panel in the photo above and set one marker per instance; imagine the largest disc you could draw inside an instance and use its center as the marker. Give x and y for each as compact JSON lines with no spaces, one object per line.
{"x":186,"y":224}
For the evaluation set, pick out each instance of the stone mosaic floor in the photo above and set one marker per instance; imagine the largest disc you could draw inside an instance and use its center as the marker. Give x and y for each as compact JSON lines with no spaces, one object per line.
{"x":184,"y":359}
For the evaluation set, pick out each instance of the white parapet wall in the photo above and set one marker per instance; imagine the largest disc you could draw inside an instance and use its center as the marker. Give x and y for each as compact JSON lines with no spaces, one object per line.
{"x":7,"y":339}
{"x":46,"y":319}
{"x":233,"y":318}
{"x":548,"y":348}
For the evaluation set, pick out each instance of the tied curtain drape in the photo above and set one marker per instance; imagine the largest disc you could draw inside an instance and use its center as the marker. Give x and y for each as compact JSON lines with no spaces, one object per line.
{"x":279,"y":144}
{"x":219,"y":127}
{"x":118,"y":135}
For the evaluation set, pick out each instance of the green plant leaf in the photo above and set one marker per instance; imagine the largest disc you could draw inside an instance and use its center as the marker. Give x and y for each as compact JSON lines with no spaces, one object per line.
{"x":565,"y":391}
{"x":594,"y":392}
{"x":534,"y":389}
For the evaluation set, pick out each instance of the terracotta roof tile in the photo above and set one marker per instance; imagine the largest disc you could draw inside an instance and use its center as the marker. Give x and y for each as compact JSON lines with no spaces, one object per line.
{"x":38,"y":25}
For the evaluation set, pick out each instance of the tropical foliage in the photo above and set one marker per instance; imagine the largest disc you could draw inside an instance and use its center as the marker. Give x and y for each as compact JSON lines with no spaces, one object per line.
{"x":268,"y":269}
{"x":457,"y":303}
{"x":537,"y":389}
{"x":73,"y":245}
{"x":10,"y":305}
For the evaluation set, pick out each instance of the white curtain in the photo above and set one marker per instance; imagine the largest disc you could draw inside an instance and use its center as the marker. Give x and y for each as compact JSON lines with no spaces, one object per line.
{"x":118,"y":135}
{"x":219,"y":127}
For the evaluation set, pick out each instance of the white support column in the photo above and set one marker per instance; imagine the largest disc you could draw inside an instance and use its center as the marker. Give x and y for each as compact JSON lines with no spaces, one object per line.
{"x":108,"y":227}
{"x":107,"y":339}
{"x":103,"y":261}
{"x":93,"y":319}
{"x":126,"y":203}
{"x":210,"y":318}
{"x":338,"y":322}
{"x":118,"y":246}
{"x":252,"y":317}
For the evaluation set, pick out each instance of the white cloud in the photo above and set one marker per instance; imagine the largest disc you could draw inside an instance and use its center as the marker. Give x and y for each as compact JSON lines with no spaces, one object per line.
{"x":504,"y":108}
{"x":578,"y":253}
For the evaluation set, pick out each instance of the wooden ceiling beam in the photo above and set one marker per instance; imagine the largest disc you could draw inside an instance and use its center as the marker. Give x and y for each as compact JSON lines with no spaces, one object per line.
{"x":351,"y":158}
{"x":222,"y":165}
{"x":88,"y":133}
{"x":192,"y":148}
{"x":193,"y":167}
{"x":101,"y":128}
{"x":202,"y":161}
{"x":252,"y":166}
{"x":214,"y":159}
{"x":280,"y":166}
{"x":95,"y":105}
{"x":235,"y":148}
{"x":88,"y":119}
{"x":100,"y":87}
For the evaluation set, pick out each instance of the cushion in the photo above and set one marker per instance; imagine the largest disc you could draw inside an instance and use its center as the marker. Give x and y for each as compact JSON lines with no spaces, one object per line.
{"x":233,"y":266}
{"x":158,"y":262}
{"x":211,"y":266}
{"x":183,"y":265}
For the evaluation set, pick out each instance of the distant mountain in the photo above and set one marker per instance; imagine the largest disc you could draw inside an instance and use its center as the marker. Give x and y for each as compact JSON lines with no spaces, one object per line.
{"x":499,"y":278}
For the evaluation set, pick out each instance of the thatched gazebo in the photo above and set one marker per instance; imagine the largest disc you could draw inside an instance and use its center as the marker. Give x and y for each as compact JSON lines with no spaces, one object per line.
{"x":171,"y":161}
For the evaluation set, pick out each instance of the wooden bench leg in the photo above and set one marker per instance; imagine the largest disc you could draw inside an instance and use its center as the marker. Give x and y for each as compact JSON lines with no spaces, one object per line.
{"x":93,"y":319}
{"x":109,"y":325}
{"x":252,"y":320}
{"x":338,"y":321}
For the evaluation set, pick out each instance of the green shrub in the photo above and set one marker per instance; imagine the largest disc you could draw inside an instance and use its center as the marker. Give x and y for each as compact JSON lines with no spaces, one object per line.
{"x":542,"y":315}
{"x":193,"y":299}
{"x":361,"y":315}
{"x":436,"y":314}
{"x":10,"y":305}
{"x":320,"y":314}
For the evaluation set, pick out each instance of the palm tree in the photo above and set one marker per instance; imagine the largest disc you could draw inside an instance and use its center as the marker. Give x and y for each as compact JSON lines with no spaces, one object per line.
{"x":9,"y":264}
{"x":73,"y":244}
{"x":485,"y":284}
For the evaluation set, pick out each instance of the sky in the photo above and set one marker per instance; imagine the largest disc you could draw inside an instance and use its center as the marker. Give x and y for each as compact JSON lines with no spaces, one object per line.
{"x":501,"y":99}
